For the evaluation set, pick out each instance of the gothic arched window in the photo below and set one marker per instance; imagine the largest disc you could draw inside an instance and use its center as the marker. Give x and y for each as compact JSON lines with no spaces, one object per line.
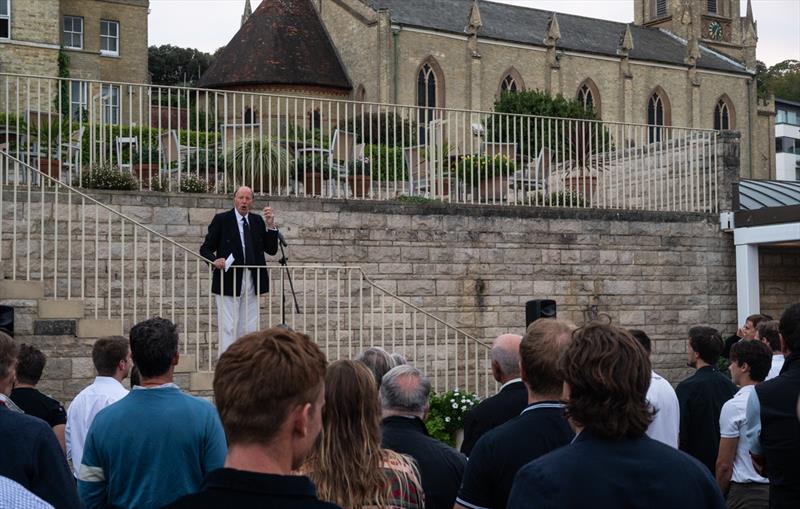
{"x":430,"y":85}
{"x":589,"y":96}
{"x":509,"y":84}
{"x":724,"y":118}
{"x":658,"y":116}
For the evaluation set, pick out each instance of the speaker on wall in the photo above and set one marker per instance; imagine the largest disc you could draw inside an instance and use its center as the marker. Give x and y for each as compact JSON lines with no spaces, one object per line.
{"x":7,"y":320}
{"x":539,"y":308}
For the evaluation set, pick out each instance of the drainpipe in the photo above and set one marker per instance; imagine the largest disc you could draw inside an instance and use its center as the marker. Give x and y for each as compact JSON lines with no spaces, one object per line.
{"x":395,"y":38}
{"x":750,"y":84}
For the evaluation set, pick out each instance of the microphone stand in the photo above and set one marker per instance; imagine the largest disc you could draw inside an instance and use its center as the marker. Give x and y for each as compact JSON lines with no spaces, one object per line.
{"x":283,"y":262}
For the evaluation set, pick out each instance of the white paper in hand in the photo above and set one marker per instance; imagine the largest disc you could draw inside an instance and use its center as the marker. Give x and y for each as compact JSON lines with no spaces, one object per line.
{"x":228,"y":262}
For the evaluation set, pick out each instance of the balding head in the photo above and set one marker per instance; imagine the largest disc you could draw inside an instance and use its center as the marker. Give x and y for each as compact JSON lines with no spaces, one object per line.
{"x":505,"y":357}
{"x":405,"y":391}
{"x":243,"y":200}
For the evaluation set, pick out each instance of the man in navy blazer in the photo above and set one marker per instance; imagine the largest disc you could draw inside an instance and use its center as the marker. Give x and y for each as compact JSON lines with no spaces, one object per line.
{"x":238,"y":238}
{"x":611,"y":462}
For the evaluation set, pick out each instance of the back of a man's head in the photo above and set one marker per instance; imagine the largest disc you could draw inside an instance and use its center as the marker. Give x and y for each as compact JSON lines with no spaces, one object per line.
{"x":755,"y":319}
{"x":643,"y":339}
{"x":608,"y":373}
{"x":707,"y":342}
{"x":755,"y":354}
{"x":540,"y":350}
{"x":30,"y":364}
{"x":790,"y":328}
{"x":505,"y":356}
{"x":377,"y":360}
{"x":405,"y":390}
{"x":768,"y":331}
{"x":108,"y":352}
{"x":8,"y":361}
{"x":261,"y":378}
{"x":154,"y":345}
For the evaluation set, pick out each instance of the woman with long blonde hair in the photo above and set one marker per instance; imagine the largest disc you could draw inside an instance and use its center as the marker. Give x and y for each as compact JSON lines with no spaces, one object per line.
{"x":348,"y":466}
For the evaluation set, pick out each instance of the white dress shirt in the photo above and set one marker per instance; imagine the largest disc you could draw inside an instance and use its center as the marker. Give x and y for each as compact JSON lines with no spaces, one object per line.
{"x":81,"y":412}
{"x":666,"y":423}
{"x":777,"y":364}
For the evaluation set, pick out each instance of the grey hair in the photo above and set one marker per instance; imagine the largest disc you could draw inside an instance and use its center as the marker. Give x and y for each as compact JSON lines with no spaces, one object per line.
{"x":399,"y":359}
{"x":405,"y":397}
{"x":377,"y":360}
{"x":508,"y":360}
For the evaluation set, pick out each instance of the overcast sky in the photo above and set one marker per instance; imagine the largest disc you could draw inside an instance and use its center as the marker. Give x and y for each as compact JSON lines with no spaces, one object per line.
{"x":209,"y":24}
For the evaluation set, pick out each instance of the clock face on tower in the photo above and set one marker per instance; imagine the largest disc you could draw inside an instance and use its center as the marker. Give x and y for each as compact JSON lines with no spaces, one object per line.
{"x":715,"y":30}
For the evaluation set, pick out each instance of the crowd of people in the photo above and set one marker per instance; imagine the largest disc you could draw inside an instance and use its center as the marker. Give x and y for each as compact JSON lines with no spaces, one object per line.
{"x":580,"y":420}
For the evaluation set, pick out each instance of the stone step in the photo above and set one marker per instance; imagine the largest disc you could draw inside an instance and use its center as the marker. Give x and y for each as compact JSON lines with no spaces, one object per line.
{"x":202,"y":381}
{"x":19,"y":289}
{"x":97,"y":328}
{"x":53,"y":309}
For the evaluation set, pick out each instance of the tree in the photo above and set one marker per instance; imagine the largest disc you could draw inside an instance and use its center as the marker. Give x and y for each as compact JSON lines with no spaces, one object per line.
{"x":782,"y":79}
{"x":171,"y":65}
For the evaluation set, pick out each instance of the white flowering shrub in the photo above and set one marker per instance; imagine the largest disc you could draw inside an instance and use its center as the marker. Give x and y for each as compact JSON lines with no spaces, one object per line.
{"x":106,"y":177}
{"x":447,"y":411}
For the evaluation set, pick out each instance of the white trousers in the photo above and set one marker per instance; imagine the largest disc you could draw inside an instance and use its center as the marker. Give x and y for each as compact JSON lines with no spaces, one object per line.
{"x":237,"y":316}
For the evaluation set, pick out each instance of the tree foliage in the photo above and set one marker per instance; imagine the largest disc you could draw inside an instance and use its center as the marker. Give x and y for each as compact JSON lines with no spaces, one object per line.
{"x":171,"y":65}
{"x":782,"y":79}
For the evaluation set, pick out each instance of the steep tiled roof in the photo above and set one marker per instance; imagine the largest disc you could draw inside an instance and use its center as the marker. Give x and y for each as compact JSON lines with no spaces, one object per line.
{"x":282,"y":43}
{"x":529,"y":26}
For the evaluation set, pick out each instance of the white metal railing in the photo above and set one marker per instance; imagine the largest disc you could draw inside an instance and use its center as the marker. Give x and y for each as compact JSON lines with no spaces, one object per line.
{"x":189,"y":139}
{"x":79,"y":248}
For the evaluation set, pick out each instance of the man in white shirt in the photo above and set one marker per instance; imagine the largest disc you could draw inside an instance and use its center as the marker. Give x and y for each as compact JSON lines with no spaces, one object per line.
{"x":661,"y":396}
{"x":767,"y":332}
{"x":736,"y":476}
{"x":112,"y":360}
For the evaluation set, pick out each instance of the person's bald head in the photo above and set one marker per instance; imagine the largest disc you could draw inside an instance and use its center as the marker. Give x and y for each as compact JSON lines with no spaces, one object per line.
{"x":505,"y":357}
{"x":243,"y":200}
{"x":404,"y":391}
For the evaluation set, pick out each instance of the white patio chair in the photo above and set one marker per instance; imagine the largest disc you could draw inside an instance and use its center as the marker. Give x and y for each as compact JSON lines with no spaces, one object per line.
{"x":534,"y":176}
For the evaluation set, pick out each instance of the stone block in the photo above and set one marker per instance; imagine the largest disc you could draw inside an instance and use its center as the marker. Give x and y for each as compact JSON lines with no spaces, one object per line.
{"x":54,"y":327}
{"x":82,"y":367}
{"x":202,"y":381}
{"x":186,"y":364}
{"x":19,"y":289}
{"x":49,"y":309}
{"x":97,"y":328}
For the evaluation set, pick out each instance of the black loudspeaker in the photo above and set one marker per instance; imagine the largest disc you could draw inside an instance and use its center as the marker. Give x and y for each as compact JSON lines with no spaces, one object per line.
{"x":7,"y":320}
{"x":539,"y":308}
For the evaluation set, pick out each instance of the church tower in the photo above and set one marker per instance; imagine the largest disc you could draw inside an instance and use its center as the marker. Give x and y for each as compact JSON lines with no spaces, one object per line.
{"x":717,"y":24}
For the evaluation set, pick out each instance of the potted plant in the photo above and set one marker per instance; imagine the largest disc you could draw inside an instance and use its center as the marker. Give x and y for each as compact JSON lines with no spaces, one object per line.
{"x":486,"y":174}
{"x":446,"y":415}
{"x":145,"y":164}
{"x":313,"y":170}
{"x":360,"y":177}
{"x":262,"y":164}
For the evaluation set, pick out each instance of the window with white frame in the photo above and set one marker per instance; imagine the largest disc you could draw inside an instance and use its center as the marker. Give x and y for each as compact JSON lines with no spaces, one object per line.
{"x":78,"y":100}
{"x":5,"y":19}
{"x":109,"y":37}
{"x":73,"y":32}
{"x":110,"y":103}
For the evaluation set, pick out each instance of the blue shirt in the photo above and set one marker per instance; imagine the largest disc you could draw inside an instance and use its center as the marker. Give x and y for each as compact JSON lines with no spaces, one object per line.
{"x":150,"y":448}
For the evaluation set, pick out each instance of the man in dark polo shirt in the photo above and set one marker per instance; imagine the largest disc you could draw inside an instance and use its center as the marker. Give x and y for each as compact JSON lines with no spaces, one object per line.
{"x":612,"y":462}
{"x":701,"y":397}
{"x":25,"y":395}
{"x":404,"y":404}
{"x":541,"y":427}
{"x":269,"y":390}
{"x":773,"y":428}
{"x":506,"y":404}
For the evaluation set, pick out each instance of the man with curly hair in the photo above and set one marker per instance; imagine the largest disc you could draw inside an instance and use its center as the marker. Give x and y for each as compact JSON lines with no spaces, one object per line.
{"x":611,"y":462}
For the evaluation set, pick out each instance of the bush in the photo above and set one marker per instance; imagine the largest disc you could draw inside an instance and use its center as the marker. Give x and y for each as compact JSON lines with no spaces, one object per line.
{"x":106,"y":177}
{"x":361,"y":167}
{"x":447,"y":411}
{"x":313,"y":163}
{"x":572,"y":140}
{"x":387,"y":129}
{"x":193,"y":184}
{"x":388,"y":163}
{"x":416,"y":199}
{"x":474,"y":169}
{"x":560,"y":199}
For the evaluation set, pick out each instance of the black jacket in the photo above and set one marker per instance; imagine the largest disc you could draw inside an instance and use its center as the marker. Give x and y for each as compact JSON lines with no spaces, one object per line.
{"x":492,"y":412}
{"x":440,"y":466}
{"x":780,"y":433}
{"x":223,"y":239}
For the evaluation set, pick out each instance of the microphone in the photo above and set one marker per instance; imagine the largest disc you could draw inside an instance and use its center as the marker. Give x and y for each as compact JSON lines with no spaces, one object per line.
{"x":281,"y":239}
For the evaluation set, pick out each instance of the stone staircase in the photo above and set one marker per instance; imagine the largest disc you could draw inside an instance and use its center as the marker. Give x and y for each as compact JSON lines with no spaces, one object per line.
{"x":61,"y":329}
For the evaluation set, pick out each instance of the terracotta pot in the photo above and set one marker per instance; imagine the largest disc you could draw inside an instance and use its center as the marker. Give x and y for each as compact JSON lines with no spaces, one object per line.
{"x":313,"y":183}
{"x":145,"y":172}
{"x":584,"y":185}
{"x":360,"y":185}
{"x":441,"y":188}
{"x":495,"y":188}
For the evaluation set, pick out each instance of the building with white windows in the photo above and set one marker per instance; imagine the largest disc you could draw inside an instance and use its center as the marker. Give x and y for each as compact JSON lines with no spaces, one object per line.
{"x":787,"y":139}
